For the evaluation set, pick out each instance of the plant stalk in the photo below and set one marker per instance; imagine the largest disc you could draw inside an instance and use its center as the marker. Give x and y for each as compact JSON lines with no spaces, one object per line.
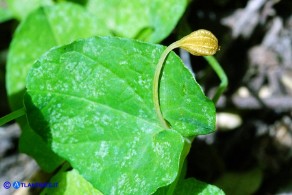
{"x":11,"y":116}
{"x":156,"y":82}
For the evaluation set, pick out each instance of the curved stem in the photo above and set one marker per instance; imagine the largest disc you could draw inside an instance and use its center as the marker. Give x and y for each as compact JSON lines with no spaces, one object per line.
{"x":156,"y":84}
{"x":11,"y":116}
{"x":221,"y":74}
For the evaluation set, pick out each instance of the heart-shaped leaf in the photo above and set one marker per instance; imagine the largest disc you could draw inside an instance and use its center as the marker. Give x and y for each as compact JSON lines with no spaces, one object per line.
{"x":91,"y":101}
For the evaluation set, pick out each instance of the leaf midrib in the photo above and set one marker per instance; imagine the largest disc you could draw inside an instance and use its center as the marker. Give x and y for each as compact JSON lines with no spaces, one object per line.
{"x":95,"y":103}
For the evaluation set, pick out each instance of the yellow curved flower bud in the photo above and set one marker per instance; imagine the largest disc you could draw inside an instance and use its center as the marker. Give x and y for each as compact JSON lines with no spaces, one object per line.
{"x":200,"y":43}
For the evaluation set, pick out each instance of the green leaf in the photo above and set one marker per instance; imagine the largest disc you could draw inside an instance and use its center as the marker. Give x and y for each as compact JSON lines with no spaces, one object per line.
{"x":135,"y":19}
{"x":5,"y":13}
{"x":241,"y":183}
{"x":92,"y":103}
{"x":193,"y":186}
{"x":21,"y":8}
{"x":41,"y":30}
{"x":69,"y":183}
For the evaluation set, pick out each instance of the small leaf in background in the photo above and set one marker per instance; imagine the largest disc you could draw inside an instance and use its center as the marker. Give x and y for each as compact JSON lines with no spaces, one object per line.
{"x":238,"y":183}
{"x":5,"y":12}
{"x":96,"y":111}
{"x":134,"y":19}
{"x":69,"y":183}
{"x":41,"y":30}
{"x":21,"y":8}
{"x":193,"y":186}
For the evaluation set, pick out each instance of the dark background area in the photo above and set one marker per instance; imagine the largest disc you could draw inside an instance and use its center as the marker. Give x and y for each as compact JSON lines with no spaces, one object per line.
{"x":256,"y":53}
